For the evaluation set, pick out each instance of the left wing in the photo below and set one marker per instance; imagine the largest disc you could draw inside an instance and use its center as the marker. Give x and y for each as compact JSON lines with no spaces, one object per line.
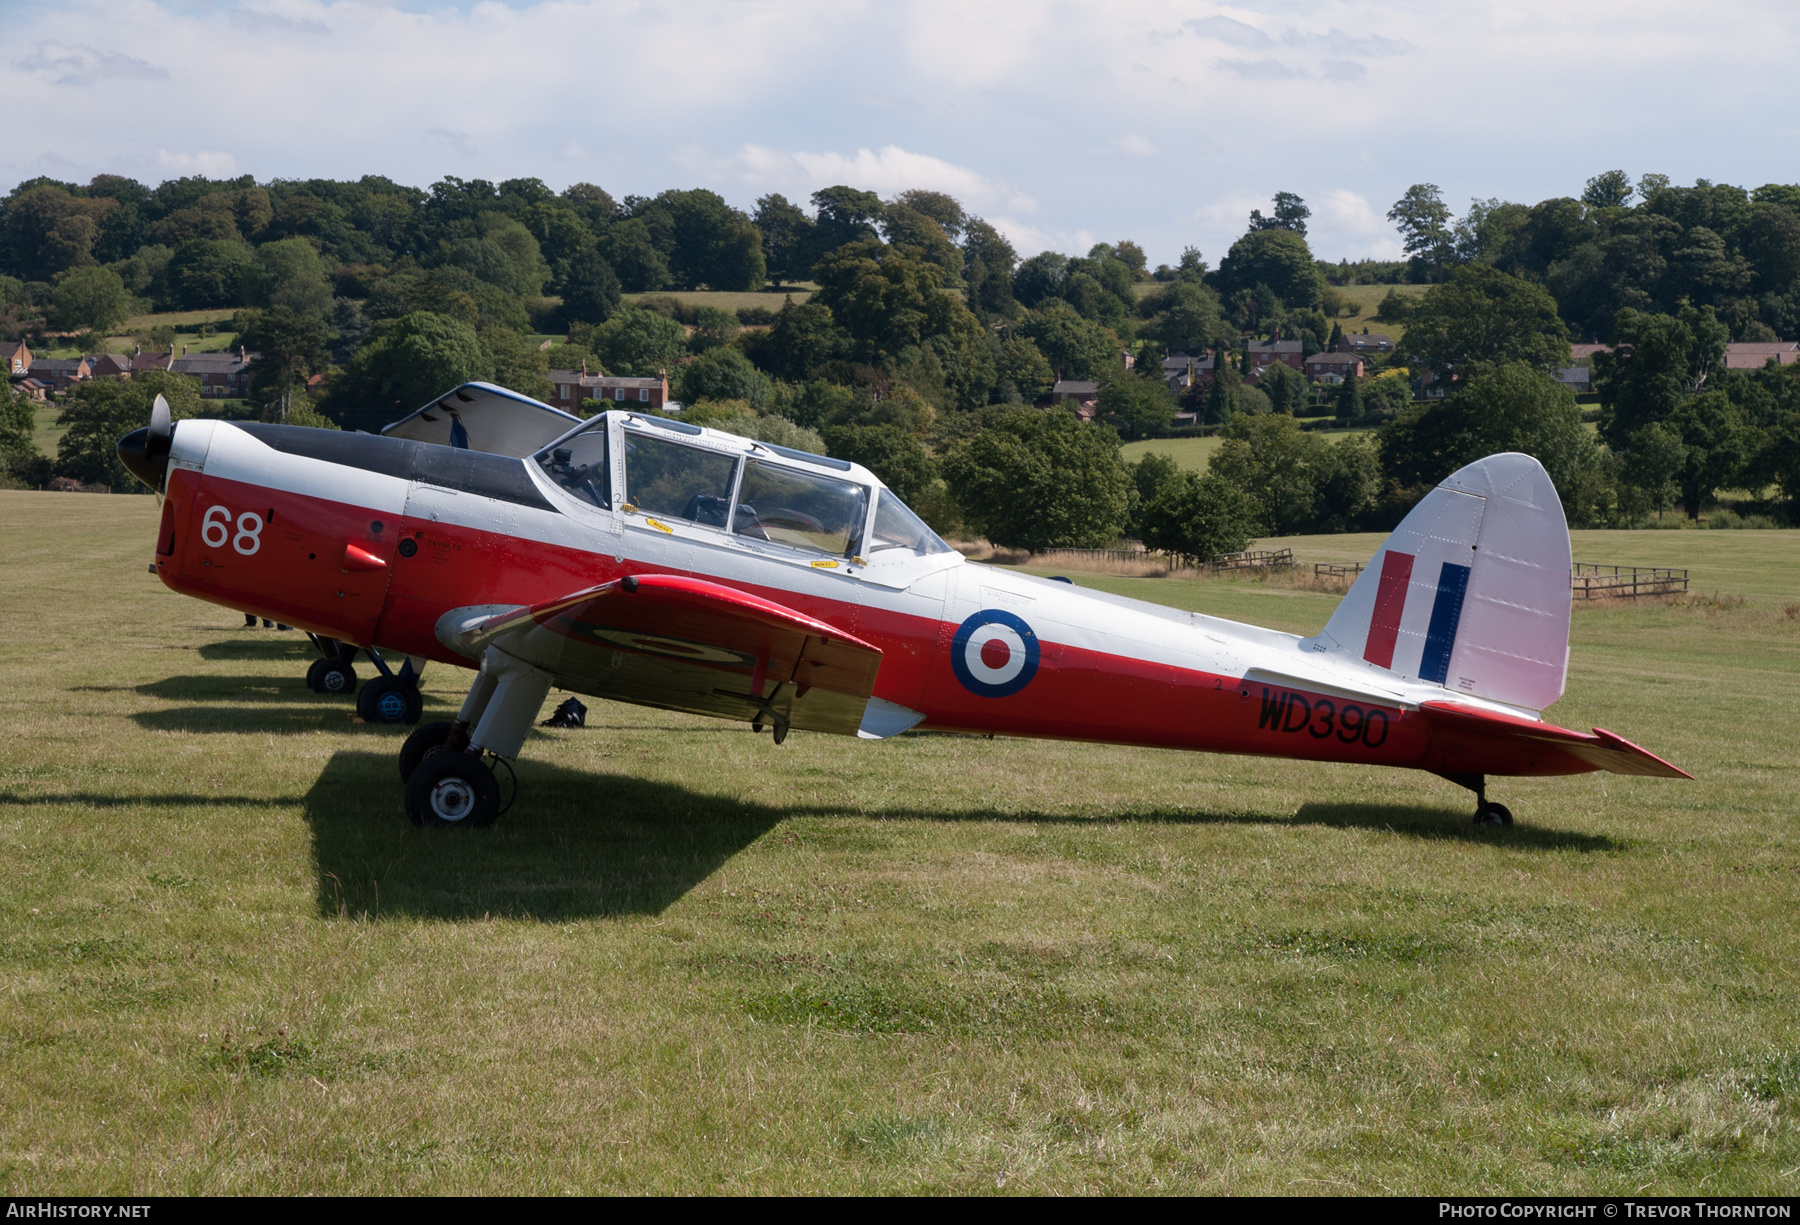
{"x":683,"y":643}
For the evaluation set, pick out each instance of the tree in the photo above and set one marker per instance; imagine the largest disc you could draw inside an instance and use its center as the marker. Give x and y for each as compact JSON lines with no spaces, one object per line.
{"x":713,"y":326}
{"x":591,"y":288}
{"x":988,"y":265}
{"x":787,"y":238}
{"x":1657,"y":361}
{"x":20,"y":459}
{"x":1350,"y":399}
{"x":1137,"y":405}
{"x":706,"y":241}
{"x":1285,"y":386}
{"x":844,"y":215}
{"x":1276,"y":465}
{"x":723,"y":374}
{"x":1611,"y":189}
{"x":886,"y":300}
{"x":1196,"y":517}
{"x":290,"y":349}
{"x":918,"y":234}
{"x":1290,"y":213}
{"x":803,"y":339}
{"x":1023,"y":366}
{"x":1651,"y":463}
{"x":1512,"y":407}
{"x":891,"y":453}
{"x":90,"y":299}
{"x":410,"y":362}
{"x":641,"y":268}
{"x":99,"y":412}
{"x":288,"y":274}
{"x":1038,"y":480}
{"x":207,"y":273}
{"x":519,"y":364}
{"x":1481,"y":317}
{"x":1277,"y":258}
{"x":1714,"y":447}
{"x":1132,"y":256}
{"x":940,"y":207}
{"x":1075,"y":347}
{"x":1424,"y":224}
{"x":636,"y":343}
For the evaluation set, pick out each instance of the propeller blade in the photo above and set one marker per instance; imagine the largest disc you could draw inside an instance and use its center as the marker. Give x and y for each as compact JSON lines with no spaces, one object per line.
{"x":162,"y":429}
{"x":146,"y":451}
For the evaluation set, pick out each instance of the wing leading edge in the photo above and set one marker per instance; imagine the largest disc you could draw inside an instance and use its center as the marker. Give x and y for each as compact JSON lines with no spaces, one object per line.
{"x":682,"y":643}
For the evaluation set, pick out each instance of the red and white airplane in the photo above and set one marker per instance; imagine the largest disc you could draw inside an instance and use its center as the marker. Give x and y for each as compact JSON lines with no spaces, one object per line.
{"x":646,"y":560}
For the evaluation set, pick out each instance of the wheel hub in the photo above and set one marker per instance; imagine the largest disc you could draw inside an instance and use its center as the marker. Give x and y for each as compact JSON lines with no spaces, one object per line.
{"x":392,"y":707}
{"x":452,"y":799}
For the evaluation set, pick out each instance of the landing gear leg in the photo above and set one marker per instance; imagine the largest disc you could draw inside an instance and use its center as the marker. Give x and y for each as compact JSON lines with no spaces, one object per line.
{"x":1487,"y":812}
{"x":452,"y":786}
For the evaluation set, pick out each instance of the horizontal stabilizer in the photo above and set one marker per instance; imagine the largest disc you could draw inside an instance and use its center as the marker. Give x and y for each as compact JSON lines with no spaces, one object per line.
{"x":1601,"y":750}
{"x":682,"y":643}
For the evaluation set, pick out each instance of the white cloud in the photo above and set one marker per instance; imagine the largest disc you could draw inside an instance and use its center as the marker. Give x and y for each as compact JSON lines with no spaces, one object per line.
{"x":1028,"y":239}
{"x":207,"y":162}
{"x":85,"y":65}
{"x":886,"y":172}
{"x":1133,"y":145}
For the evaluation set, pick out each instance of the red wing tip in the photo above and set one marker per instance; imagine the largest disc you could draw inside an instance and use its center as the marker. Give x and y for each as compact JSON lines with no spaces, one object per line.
{"x":1614,"y":740}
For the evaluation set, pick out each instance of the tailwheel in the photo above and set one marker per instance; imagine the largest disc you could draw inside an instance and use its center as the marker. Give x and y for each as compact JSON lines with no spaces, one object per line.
{"x":1490,"y":813}
{"x":427,"y":740}
{"x":334,"y":677}
{"x":452,"y":789}
{"x":389,"y":699}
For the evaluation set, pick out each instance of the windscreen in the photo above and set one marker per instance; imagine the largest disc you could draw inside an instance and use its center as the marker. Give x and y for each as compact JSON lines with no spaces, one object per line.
{"x":800,"y":509}
{"x":677,"y":481}
{"x":896,"y":527}
{"x":579,"y":465}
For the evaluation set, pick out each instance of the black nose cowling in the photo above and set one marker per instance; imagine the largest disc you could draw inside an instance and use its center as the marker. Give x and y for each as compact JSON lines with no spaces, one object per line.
{"x":146,"y":451}
{"x":134,"y":453}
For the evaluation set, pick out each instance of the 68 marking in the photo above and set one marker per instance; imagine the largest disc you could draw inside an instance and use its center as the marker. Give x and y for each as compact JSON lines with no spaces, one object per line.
{"x":215,"y":530}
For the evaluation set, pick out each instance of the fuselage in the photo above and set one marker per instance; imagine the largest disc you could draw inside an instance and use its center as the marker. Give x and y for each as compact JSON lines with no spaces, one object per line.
{"x":347,"y":536}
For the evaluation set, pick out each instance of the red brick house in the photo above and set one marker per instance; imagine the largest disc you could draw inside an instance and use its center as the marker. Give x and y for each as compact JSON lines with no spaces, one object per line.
{"x":1333,"y":367}
{"x":1365,"y":341}
{"x":1288,"y":352}
{"x":1754,"y":354}
{"x":59,"y":373}
{"x":223,"y":376}
{"x":574,"y":386}
{"x":17,"y":358}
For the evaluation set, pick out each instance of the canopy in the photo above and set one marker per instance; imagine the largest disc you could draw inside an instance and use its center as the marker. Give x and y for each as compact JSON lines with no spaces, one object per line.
{"x":483,"y":417}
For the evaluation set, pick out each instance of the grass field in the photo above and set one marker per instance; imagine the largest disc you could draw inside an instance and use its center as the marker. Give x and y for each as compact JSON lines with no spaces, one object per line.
{"x":1194,"y":453}
{"x":731,"y":301}
{"x":691,"y":961}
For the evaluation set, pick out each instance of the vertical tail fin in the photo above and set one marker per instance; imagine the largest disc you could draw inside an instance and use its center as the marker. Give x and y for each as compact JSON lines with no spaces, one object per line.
{"x":1471,"y":591}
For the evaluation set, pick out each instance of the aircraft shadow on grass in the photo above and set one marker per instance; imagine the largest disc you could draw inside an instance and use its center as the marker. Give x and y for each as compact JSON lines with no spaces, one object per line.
{"x":580,"y":845}
{"x":294,"y":648}
{"x":585,"y":844}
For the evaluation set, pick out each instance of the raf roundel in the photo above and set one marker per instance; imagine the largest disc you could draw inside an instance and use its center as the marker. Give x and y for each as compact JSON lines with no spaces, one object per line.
{"x":994,"y":653}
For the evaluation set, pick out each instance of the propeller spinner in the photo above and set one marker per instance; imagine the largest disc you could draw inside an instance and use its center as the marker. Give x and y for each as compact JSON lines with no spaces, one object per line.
{"x":146,"y":451}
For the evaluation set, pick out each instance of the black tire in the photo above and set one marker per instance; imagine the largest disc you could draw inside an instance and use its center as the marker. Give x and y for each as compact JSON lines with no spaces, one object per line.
{"x":337,"y":678}
{"x":427,"y":741}
{"x":388,"y":699}
{"x":312,"y":675}
{"x":452,"y":789}
{"x":1493,"y":814}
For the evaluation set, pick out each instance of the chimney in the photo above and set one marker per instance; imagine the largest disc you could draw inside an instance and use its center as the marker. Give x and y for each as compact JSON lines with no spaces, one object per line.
{"x":1275,"y":338}
{"x":242,"y":356}
{"x":137,"y":350}
{"x":184,"y":350}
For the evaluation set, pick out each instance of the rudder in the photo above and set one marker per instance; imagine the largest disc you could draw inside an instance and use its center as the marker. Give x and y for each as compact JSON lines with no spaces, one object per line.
{"x":1471,"y":591}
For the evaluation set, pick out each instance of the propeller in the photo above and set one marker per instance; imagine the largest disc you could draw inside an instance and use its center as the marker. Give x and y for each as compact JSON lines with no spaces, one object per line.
{"x":146,"y":451}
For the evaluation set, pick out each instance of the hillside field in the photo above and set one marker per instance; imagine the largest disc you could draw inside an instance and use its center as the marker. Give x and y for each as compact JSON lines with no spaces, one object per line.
{"x":691,"y":961}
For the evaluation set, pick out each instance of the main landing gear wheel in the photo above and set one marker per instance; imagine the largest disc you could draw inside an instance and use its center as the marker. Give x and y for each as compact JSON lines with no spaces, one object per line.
{"x":331,"y":676}
{"x":388,"y":699}
{"x":428,"y":740}
{"x":1490,"y":813}
{"x":452,"y":789}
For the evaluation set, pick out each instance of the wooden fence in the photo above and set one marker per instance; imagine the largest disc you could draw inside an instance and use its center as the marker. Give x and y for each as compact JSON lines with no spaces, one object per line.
{"x":1329,"y":569}
{"x":1594,"y":582}
{"x":1097,"y":554}
{"x":1253,"y":559}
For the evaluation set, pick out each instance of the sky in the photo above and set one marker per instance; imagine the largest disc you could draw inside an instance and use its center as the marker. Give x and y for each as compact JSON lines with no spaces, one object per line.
{"x":1064,"y":123}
